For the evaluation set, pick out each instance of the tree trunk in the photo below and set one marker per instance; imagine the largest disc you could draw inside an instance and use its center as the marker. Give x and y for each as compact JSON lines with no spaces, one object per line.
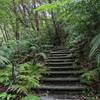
{"x":36,"y":17}
{"x":14,"y":73}
{"x":17,"y":23}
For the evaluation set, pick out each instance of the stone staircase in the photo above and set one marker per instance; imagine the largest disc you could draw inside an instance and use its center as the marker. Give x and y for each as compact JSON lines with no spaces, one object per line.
{"x":63,"y":79}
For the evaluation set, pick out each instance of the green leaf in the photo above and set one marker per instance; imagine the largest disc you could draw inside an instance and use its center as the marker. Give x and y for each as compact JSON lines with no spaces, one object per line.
{"x":45,"y":7}
{"x":30,"y":97}
{"x":3,"y":95}
{"x":52,"y":6}
{"x":95,"y":44}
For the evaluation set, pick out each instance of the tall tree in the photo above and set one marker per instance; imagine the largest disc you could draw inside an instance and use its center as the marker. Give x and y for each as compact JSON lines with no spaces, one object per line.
{"x":17,"y":19}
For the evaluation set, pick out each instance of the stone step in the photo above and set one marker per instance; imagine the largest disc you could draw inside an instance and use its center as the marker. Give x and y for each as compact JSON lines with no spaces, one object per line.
{"x":60,"y":97}
{"x":60,"y":52}
{"x":59,"y":60}
{"x":65,"y":49}
{"x":61,"y":74}
{"x":58,"y":93}
{"x":56,"y":88}
{"x":60,"y":81}
{"x":59,"y":48}
{"x":63,"y":68}
{"x":59,"y":63}
{"x":65,"y":72}
{"x":61,"y":57}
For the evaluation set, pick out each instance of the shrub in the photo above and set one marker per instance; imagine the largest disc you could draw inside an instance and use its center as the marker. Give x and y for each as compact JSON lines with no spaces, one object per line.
{"x":30,"y":97}
{"x":27,"y":77}
{"x":91,"y":77}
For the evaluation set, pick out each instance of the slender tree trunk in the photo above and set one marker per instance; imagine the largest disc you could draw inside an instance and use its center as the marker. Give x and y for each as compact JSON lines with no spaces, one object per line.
{"x":24,"y":13}
{"x":36,"y":17}
{"x":46,"y":21}
{"x":17,"y":22}
{"x":14,"y":73}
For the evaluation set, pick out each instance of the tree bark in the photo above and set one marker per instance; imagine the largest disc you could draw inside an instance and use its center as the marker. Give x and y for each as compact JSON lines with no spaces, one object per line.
{"x":36,"y":16}
{"x":17,"y":22}
{"x":14,"y":73}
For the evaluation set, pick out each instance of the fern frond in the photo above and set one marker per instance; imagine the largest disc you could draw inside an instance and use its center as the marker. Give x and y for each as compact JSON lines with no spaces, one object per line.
{"x":30,"y":97}
{"x":4,"y":60}
{"x":95,"y":44}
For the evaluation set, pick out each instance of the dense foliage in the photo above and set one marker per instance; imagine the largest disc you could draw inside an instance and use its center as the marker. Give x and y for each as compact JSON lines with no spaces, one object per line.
{"x":27,"y":77}
{"x":27,"y":25}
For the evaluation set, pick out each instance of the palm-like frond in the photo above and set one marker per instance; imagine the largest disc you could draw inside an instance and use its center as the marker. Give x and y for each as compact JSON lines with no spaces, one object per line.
{"x":95,"y":48}
{"x":4,"y":60}
{"x":95,"y":44}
